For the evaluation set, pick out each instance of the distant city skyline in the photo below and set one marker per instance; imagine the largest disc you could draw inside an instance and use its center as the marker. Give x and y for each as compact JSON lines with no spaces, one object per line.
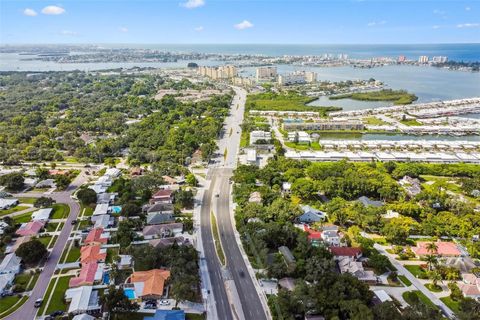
{"x":265,"y":22}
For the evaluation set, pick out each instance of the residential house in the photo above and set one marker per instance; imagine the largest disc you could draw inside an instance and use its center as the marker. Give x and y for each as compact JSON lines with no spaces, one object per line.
{"x":96,"y":236}
{"x":255,"y":197}
{"x":160,"y":213}
{"x":331,"y":235}
{"x":10,"y":266}
{"x":102,"y":221}
{"x":411,"y":185}
{"x":125,"y":262}
{"x":470,"y":286}
{"x":105,"y":197}
{"x":149,"y":284}
{"x":311,"y":215}
{"x":47,"y":183}
{"x":381,"y":296}
{"x":30,"y":182}
{"x":113,"y":172}
{"x":7,"y":203}
{"x":100,"y":209}
{"x":42,"y":214}
{"x":366,"y":201}
{"x":288,"y":257}
{"x":83,"y":316}
{"x":355,"y":268}
{"x":3,"y":226}
{"x":93,"y":253}
{"x":340,"y":253}
{"x":166,"y":315}
{"x":162,"y":196}
{"x":82,"y":300}
{"x":167,"y":242}
{"x":444,"y":249}
{"x":287,"y":283}
{"x":314,"y":236}
{"x":31,"y":228}
{"x":90,"y":273}
{"x":162,"y":230}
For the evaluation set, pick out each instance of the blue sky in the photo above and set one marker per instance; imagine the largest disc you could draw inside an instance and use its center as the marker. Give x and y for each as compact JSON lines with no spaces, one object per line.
{"x":240,"y":21}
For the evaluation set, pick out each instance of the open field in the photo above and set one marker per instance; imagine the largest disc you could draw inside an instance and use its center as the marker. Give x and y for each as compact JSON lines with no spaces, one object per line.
{"x":397,"y":96}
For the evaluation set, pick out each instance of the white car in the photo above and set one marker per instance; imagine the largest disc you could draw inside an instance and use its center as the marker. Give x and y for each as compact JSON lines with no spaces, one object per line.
{"x":164,"y":302}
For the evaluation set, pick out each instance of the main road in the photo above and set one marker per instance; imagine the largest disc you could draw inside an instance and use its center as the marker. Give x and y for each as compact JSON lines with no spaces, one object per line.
{"x":27,"y":311}
{"x":217,"y":198}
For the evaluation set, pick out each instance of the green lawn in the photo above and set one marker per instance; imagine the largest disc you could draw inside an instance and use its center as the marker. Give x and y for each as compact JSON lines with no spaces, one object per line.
{"x":52,"y":226}
{"x":53,"y":242}
{"x":46,"y":296}
{"x":411,"y":123}
{"x":454,"y":305}
{"x":60,"y":211}
{"x":374,"y":121}
{"x":423,"y":298}
{"x":28,"y":200}
{"x":12,"y":210}
{"x":397,"y":96}
{"x":45,"y":240}
{"x":416,"y":270}
{"x":433,"y":288}
{"x":216,"y":237}
{"x":405,"y":281}
{"x":23,"y":279}
{"x":26,"y":217}
{"x":73,"y":255}
{"x":6,"y":304}
{"x":57,"y":301}
{"x":86,"y":211}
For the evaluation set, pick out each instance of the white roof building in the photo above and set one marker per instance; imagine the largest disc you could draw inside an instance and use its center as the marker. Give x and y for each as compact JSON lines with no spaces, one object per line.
{"x":6,"y":280}
{"x":10,"y":264}
{"x":100,"y":209}
{"x":251,"y":156}
{"x":101,"y":221}
{"x":82,"y":299}
{"x":6,"y":203}
{"x":83,"y":316}
{"x":98,"y":188}
{"x":113,"y":172}
{"x":42,"y":214}
{"x":3,"y":226}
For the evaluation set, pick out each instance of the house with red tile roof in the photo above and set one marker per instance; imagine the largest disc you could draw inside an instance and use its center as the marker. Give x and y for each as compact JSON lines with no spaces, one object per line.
{"x":31,"y":228}
{"x":314,"y":236}
{"x":93,"y":253}
{"x":86,"y":276}
{"x":96,"y":236}
{"x":346,"y":252}
{"x":470,"y":286}
{"x":444,"y":249}
{"x":162,"y":196}
{"x":149,"y":284}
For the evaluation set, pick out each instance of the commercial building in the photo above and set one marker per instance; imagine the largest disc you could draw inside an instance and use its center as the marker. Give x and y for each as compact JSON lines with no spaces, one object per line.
{"x":259,"y":135}
{"x":323,"y":125}
{"x":265,"y":73}
{"x":439,"y":59}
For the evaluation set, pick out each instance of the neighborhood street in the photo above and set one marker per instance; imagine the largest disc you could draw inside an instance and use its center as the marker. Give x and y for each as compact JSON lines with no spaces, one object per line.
{"x":27,"y":311}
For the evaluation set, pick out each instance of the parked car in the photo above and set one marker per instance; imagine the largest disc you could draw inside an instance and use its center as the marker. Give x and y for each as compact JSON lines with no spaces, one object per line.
{"x":56,"y":313}
{"x":164,"y":302}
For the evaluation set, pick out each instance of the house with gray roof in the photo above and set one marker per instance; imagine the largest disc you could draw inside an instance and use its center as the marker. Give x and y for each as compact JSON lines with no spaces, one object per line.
{"x":311,"y":215}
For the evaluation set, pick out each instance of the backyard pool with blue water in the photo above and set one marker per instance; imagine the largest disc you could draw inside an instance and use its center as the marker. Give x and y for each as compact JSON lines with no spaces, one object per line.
{"x":130,"y":293}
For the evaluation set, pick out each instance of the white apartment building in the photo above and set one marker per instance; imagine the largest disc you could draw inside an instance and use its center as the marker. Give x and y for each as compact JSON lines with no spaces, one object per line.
{"x":291,"y":78}
{"x":439,"y":59}
{"x":259,"y":135}
{"x":222,"y":72}
{"x":266,"y":73}
{"x":423,"y":59}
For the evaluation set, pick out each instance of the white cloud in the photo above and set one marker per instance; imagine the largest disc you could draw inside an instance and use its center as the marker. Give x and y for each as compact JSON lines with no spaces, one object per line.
{"x":53,"y":10}
{"x":439,"y":12}
{"x":68,"y":33}
{"x":435,"y":27}
{"x":245,"y":24}
{"x":199,"y":28}
{"x":376,"y":23}
{"x":29,"y":12}
{"x":467,"y":8}
{"x":191,"y":4}
{"x":123,"y":29}
{"x":468,"y":25}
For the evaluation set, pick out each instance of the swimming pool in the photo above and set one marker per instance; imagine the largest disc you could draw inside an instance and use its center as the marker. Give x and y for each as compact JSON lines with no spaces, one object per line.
{"x":130,"y":293}
{"x":116,"y":209}
{"x":106,"y":278}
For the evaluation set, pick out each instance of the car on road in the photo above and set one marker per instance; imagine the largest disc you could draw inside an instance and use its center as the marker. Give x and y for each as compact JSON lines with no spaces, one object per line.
{"x":74,"y":222}
{"x":38,"y":303}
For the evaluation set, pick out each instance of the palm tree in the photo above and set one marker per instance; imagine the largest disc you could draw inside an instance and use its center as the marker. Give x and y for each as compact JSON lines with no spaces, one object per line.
{"x":431,"y":261}
{"x":432,"y":247}
{"x":435,"y":276}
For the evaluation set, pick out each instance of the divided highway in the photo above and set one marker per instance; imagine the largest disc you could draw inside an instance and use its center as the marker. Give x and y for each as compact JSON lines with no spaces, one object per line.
{"x":217,"y":199}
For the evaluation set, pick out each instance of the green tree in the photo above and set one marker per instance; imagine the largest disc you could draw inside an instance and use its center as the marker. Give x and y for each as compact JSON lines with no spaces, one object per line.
{"x":191,"y":180}
{"x":13,"y":181}
{"x":42,"y":173}
{"x":87,"y":196}
{"x":130,"y":209}
{"x":115,"y":301}
{"x":43,"y":202}
{"x":31,"y":252}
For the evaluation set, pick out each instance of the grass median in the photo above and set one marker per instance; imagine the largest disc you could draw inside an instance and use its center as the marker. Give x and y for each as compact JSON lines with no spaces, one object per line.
{"x":216,"y":237}
{"x":8,"y":305}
